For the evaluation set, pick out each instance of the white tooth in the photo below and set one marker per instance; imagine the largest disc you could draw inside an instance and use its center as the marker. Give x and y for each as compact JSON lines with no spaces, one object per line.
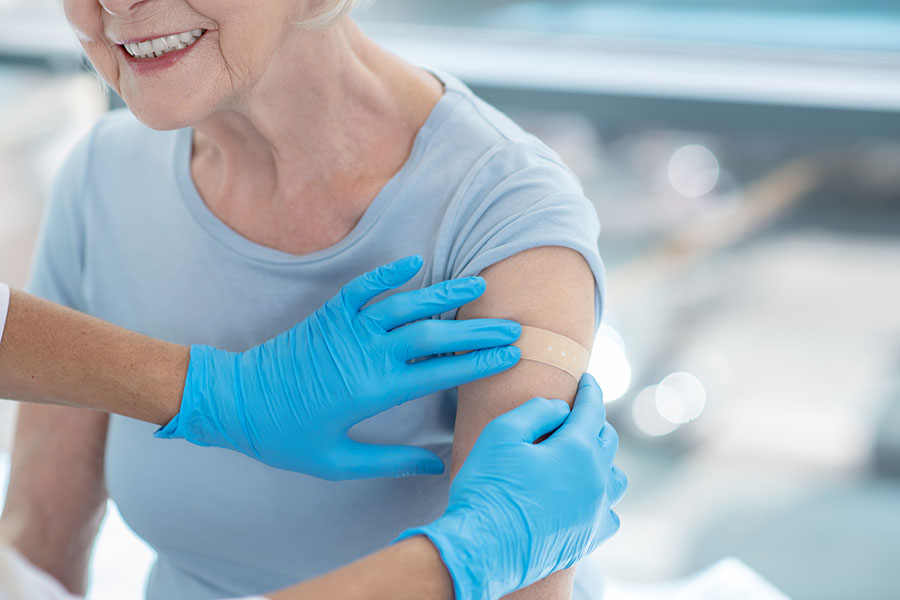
{"x":159,"y":45}
{"x":181,"y":46}
{"x":145,"y":48}
{"x":186,"y":37}
{"x":172,"y":41}
{"x":133,"y":48}
{"x":197,"y":32}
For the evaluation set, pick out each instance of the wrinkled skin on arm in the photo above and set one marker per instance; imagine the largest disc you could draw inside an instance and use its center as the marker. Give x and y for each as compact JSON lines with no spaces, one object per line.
{"x":57,"y":493}
{"x":551,"y":288}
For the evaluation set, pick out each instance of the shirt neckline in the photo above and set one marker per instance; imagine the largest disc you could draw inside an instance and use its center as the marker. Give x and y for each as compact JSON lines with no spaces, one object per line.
{"x":234,"y":241}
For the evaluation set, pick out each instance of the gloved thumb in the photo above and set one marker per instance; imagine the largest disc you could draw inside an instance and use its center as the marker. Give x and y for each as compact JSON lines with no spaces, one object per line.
{"x":529,"y":422}
{"x":368,"y":461}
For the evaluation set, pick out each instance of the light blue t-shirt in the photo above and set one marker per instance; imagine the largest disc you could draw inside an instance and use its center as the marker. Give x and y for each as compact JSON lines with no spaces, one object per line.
{"x":128,"y":238}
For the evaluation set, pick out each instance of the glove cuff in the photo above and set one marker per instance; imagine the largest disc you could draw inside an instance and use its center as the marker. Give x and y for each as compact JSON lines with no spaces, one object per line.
{"x":466,"y":556}
{"x":196,"y":418}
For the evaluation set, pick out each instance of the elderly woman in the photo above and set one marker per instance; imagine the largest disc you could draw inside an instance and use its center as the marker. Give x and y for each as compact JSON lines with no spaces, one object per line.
{"x":271,"y":153}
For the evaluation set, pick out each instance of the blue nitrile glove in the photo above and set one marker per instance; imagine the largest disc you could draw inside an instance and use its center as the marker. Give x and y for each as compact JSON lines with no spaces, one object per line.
{"x":520,"y":511}
{"x":291,"y":401}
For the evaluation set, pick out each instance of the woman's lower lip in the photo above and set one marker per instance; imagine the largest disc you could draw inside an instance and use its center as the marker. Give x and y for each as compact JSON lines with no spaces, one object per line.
{"x":146,"y":66}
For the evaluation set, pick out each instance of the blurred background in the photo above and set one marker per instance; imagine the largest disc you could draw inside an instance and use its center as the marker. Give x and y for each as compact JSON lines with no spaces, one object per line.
{"x":744,"y":158}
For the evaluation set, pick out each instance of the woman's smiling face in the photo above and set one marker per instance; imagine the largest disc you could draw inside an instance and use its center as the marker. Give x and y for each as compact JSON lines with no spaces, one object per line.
{"x":174,"y":62}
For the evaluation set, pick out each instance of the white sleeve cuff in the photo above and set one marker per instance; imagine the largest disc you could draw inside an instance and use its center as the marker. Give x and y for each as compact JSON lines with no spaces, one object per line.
{"x":21,"y":579}
{"x":4,"y":307}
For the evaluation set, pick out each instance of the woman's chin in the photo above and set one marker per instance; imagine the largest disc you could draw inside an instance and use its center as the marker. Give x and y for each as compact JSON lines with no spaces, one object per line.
{"x":163,"y":116}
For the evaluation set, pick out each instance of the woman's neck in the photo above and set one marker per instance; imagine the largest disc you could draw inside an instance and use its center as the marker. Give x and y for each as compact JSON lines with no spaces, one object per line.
{"x":317,"y":136}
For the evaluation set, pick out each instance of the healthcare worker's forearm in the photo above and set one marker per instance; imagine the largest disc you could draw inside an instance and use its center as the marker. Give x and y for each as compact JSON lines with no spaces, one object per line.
{"x":409,"y":570}
{"x":53,"y":355}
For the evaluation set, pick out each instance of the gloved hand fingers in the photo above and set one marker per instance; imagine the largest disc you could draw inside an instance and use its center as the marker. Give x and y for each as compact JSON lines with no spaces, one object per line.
{"x":365,"y":288}
{"x":428,"y":338}
{"x":445,"y":372}
{"x":528,"y":422}
{"x":588,"y":414}
{"x":610,"y":526}
{"x":367,"y":461}
{"x":616,"y":522}
{"x":609,"y":445}
{"x":618,"y":483}
{"x":408,"y":307}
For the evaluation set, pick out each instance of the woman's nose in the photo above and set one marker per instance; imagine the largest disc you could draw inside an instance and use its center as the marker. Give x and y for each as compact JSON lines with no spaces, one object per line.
{"x":121,"y":8}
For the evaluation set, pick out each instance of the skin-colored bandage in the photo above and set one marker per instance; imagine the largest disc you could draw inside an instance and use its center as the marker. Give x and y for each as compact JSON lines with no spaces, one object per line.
{"x":553,"y":349}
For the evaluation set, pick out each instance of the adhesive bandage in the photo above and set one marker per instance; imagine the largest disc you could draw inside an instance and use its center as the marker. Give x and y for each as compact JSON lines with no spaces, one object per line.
{"x":553,"y":349}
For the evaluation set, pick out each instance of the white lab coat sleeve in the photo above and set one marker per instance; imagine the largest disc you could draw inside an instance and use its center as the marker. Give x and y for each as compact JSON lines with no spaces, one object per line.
{"x":4,"y":307}
{"x":19,"y":579}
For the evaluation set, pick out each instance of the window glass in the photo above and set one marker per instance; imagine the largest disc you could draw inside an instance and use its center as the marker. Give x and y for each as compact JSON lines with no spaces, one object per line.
{"x":831,"y":24}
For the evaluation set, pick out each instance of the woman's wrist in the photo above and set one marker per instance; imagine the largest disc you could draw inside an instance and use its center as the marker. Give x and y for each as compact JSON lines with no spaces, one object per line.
{"x":465,"y":548}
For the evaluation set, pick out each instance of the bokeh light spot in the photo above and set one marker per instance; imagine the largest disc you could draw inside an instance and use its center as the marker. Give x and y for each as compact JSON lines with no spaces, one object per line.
{"x":681,"y":397}
{"x":693,"y":171}
{"x":609,"y":364}
{"x":646,"y":415}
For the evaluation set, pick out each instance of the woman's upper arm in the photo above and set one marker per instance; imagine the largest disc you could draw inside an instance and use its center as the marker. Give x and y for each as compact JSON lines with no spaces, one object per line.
{"x":548,"y":287}
{"x":56,"y":491}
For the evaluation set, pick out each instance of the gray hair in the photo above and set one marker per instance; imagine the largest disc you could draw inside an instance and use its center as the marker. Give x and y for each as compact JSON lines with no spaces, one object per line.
{"x":329,"y":13}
